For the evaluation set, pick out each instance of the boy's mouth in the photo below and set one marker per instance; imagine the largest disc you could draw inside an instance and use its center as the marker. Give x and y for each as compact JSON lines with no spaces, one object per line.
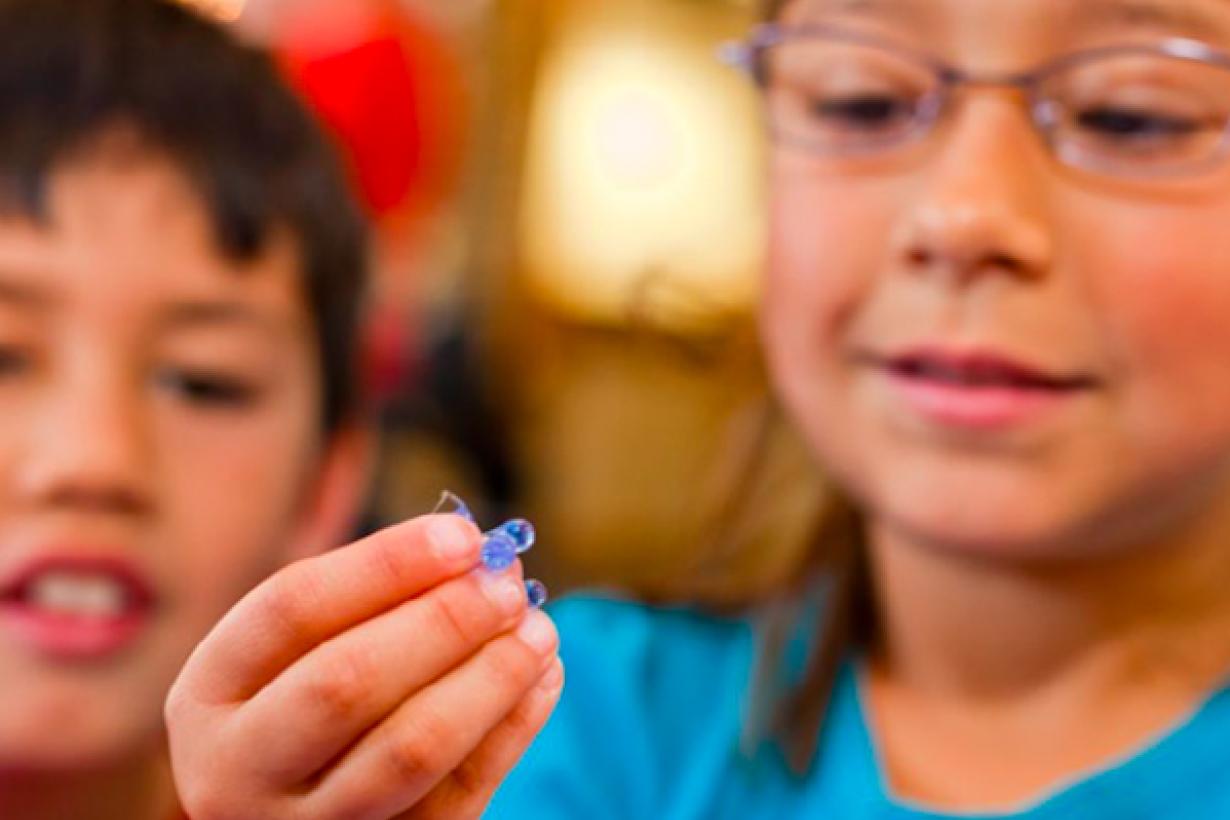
{"x":75,"y":608}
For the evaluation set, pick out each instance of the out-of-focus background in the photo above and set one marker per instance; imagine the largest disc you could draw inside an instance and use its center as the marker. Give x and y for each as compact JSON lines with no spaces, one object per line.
{"x":569,"y":209}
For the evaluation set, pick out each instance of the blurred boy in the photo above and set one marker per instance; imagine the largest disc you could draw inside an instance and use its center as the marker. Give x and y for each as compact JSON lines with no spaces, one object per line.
{"x":180,"y":266}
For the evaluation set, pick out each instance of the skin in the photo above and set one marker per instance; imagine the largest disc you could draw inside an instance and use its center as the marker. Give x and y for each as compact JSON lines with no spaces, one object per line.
{"x":1051,"y":595}
{"x":117,"y":313}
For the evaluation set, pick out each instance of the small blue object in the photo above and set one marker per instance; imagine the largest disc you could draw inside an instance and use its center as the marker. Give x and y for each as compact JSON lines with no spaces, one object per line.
{"x":499,"y":550}
{"x":521,"y":532}
{"x":459,"y":506}
{"x":502,"y":545}
{"x":536,"y":591}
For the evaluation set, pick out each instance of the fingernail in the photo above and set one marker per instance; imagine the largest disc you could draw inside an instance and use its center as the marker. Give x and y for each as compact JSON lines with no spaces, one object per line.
{"x":553,"y":679}
{"x":537,"y":632}
{"x":451,"y":540}
{"x":504,"y":591}
{"x":459,"y":507}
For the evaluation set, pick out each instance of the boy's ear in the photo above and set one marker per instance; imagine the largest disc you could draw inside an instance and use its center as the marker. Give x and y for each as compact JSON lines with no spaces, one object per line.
{"x":335,"y":495}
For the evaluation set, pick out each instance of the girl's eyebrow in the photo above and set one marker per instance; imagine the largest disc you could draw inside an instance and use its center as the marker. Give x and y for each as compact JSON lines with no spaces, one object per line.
{"x":1187,"y":17}
{"x":908,"y":9}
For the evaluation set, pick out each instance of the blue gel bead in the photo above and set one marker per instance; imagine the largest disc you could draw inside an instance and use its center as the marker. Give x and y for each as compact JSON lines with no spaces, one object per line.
{"x":499,"y":551}
{"x":521,"y":532}
{"x":536,"y":591}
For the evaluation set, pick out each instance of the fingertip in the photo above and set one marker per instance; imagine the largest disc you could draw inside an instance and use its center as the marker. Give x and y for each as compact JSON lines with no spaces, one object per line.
{"x":552,"y":681}
{"x":538,"y":632}
{"x":453,"y":539}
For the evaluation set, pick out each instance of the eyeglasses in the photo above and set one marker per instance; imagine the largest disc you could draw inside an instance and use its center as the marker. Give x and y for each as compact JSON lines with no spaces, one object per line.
{"x":1155,"y":110}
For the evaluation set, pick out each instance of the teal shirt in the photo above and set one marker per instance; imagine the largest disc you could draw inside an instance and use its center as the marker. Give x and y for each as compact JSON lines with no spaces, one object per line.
{"x":650,"y":722}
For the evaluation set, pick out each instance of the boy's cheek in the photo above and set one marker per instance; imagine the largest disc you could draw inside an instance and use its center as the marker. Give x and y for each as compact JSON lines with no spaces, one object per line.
{"x":228,"y":525}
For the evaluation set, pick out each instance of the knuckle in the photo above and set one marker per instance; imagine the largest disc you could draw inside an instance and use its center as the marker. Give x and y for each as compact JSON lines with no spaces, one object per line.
{"x":292,"y":600}
{"x":417,"y":756}
{"x":340,"y":690}
{"x":387,"y":562}
{"x":511,"y":665}
{"x":469,"y":778}
{"x":451,"y":619}
{"x":522,"y":723}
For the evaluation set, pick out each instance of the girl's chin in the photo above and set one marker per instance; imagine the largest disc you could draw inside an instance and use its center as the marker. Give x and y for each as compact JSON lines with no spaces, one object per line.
{"x":984,"y":526}
{"x":1009,"y":544}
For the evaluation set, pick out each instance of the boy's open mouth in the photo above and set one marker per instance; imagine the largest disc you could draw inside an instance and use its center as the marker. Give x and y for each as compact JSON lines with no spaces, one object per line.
{"x":76,"y":607}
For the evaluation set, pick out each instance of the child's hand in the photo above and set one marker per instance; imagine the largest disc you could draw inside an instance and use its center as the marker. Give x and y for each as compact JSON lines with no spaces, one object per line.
{"x":385,"y":679}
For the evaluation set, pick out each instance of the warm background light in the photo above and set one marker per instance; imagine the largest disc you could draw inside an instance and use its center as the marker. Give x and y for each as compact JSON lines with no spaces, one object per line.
{"x":642,"y":165}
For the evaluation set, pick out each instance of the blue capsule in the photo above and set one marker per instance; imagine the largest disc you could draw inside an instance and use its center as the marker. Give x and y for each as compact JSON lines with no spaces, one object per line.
{"x":521,"y":532}
{"x":502,"y":545}
{"x":536,"y":591}
{"x":499,"y":550}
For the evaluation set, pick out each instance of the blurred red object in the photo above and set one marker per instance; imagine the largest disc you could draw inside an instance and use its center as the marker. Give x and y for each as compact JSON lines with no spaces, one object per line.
{"x":392,"y":90}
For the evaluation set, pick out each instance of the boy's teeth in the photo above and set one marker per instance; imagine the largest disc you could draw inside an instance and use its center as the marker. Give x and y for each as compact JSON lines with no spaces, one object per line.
{"x":81,"y":595}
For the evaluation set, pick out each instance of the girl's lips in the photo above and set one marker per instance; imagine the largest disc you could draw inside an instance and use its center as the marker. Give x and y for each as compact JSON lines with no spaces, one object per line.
{"x":75,"y":607}
{"x":976,"y":390}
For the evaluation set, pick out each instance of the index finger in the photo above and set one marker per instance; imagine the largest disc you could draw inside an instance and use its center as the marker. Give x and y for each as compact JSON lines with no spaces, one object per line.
{"x":314,"y":599}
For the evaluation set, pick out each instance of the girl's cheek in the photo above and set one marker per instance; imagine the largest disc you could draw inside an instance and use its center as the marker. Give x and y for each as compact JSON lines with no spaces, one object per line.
{"x":1156,"y":277}
{"x":829,"y":244}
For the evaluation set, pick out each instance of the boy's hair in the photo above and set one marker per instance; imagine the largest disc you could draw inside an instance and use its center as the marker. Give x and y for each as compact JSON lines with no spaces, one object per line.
{"x":74,"y":71}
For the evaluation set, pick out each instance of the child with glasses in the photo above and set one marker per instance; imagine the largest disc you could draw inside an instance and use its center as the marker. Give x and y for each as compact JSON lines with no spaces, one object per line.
{"x":997,"y":312}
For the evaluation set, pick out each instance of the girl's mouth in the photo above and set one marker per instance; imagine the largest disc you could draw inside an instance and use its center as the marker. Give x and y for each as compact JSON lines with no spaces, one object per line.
{"x":976,"y":390}
{"x":75,"y":608}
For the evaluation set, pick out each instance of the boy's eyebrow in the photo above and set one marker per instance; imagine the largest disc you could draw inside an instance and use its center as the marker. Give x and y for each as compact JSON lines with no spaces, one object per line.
{"x":209,"y":313}
{"x":1189,"y":17}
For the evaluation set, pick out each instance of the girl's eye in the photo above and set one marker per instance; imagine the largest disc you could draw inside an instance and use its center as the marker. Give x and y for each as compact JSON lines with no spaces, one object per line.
{"x":210,"y":390}
{"x":1135,"y":124}
{"x":870,"y":113}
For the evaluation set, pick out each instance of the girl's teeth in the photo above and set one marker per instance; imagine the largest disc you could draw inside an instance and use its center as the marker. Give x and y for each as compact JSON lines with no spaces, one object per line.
{"x":89,"y":596}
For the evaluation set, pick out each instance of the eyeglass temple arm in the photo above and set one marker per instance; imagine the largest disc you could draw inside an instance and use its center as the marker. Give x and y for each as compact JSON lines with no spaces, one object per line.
{"x":737,"y":54}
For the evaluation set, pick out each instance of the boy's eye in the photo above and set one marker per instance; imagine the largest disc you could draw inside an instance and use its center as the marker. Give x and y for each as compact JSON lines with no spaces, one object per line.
{"x":13,"y":361}
{"x":208,"y":389}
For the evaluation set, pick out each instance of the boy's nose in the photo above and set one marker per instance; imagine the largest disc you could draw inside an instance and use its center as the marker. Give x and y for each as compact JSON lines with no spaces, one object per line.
{"x":88,"y":451}
{"x":981,"y":205}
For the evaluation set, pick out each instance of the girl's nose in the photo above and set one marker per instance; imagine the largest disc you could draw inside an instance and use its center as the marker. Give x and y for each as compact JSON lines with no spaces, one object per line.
{"x":88,"y":450}
{"x":981,"y":205}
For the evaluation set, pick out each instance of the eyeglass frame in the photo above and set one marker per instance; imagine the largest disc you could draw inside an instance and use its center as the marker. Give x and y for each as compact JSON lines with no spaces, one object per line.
{"x":745,"y":55}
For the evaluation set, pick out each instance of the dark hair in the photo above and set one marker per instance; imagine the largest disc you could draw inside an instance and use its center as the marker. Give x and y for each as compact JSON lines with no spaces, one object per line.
{"x":831,"y":592}
{"x":74,"y":71}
